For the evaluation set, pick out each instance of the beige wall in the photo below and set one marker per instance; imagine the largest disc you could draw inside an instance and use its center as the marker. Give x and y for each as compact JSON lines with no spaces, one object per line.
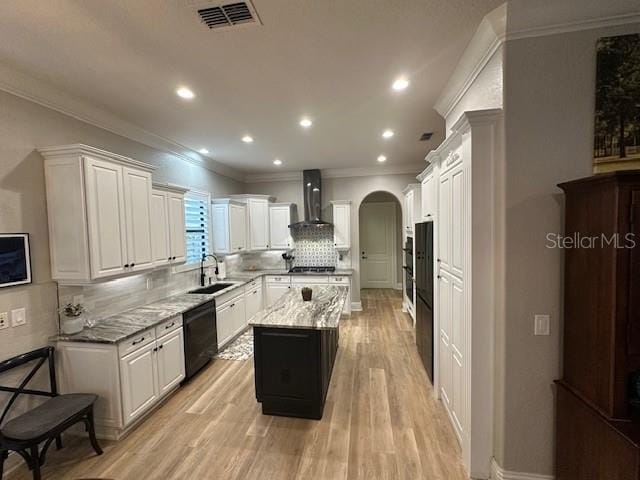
{"x":549,"y":110}
{"x":351,"y":188}
{"x":25,"y":126}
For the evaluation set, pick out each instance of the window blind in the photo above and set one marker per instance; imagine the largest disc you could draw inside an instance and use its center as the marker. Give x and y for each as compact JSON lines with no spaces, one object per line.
{"x":197,"y":222}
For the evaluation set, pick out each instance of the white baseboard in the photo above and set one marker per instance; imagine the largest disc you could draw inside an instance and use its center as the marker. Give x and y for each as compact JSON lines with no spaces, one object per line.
{"x":356,"y":306}
{"x":399,"y":286}
{"x":498,"y":473}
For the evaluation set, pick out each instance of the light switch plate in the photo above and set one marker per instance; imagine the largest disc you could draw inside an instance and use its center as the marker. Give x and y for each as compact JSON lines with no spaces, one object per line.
{"x":18,"y":317}
{"x":541,"y":325}
{"x":4,"y":320}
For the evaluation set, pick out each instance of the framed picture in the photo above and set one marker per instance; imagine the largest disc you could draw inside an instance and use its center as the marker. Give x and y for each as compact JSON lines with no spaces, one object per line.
{"x":15,"y":259}
{"x":617,"y":119}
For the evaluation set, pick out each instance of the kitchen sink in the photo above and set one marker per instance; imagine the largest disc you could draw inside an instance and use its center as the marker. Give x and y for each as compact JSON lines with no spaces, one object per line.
{"x":216,"y":287}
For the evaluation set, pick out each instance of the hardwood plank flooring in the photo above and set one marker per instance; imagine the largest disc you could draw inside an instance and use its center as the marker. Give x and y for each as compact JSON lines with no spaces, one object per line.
{"x":381,"y":421}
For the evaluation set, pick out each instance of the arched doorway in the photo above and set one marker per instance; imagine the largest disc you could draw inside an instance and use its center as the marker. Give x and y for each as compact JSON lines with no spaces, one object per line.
{"x":380,"y":229}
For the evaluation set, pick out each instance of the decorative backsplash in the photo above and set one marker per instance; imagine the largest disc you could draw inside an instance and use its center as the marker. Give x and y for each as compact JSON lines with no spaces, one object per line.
{"x":115,"y":296}
{"x":313,"y":247}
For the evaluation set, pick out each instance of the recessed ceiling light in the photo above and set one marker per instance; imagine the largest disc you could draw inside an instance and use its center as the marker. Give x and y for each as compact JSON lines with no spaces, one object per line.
{"x":277,"y":161}
{"x":382,"y":158}
{"x":306,"y":122}
{"x":388,"y":133}
{"x":186,"y":93}
{"x":400,"y":84}
{"x":204,"y":151}
{"x":247,"y":139}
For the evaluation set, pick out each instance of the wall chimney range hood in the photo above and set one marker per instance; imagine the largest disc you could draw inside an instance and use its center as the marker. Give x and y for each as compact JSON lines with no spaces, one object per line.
{"x":311,"y":190}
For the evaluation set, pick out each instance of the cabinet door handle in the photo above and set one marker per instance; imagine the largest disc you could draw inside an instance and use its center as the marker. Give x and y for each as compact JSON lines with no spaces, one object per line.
{"x":232,"y":305}
{"x":160,"y":347}
{"x":255,"y":291}
{"x":126,"y":265}
{"x":169,"y":258}
{"x":136,"y":342}
{"x":169,"y":326}
{"x":133,"y":265}
{"x":155,"y":349}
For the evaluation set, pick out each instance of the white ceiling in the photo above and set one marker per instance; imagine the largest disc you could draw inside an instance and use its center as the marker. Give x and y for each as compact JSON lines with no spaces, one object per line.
{"x":333,"y":60}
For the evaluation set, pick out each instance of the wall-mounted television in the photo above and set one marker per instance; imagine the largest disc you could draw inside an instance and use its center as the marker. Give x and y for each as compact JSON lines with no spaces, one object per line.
{"x":15,"y":261}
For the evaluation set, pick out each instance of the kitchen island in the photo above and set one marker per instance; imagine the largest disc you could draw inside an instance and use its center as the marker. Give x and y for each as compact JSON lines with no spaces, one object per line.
{"x":295,"y":346}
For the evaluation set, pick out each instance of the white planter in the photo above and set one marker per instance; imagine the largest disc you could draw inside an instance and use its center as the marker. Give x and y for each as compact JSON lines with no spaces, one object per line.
{"x":71,"y":325}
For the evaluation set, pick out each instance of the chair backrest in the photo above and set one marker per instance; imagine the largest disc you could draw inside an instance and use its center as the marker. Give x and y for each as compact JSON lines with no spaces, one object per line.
{"x":41,"y":355}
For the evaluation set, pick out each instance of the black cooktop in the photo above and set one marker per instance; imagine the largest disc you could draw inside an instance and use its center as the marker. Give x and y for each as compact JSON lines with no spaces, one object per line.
{"x":312,"y":269}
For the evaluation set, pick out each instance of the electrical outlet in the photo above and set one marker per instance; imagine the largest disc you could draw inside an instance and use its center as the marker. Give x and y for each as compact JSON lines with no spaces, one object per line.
{"x":18,"y":317}
{"x":4,"y":320}
{"x":541,"y":325}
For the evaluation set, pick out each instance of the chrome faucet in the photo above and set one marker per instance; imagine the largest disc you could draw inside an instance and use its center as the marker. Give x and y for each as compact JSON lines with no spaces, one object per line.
{"x":202,"y":275}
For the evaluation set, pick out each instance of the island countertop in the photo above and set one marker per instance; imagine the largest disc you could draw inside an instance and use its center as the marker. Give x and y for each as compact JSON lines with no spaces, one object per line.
{"x":322,"y":312}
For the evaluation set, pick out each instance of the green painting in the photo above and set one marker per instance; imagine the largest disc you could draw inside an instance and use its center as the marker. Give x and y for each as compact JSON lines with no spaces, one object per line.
{"x":617,"y":122}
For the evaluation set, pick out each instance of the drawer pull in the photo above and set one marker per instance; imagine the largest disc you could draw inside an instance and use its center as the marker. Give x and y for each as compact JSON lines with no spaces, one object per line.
{"x":169,"y":326}
{"x":136,"y":342}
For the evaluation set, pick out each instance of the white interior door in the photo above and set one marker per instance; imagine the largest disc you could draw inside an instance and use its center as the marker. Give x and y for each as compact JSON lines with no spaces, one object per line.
{"x":377,"y":245}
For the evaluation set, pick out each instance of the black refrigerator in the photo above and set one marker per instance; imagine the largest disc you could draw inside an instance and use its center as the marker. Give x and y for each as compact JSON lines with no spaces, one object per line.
{"x":424,"y":294}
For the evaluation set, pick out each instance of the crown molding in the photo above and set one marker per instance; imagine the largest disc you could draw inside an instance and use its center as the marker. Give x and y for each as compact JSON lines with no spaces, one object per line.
{"x":484,"y":44}
{"x":499,"y":473}
{"x":405,"y":168}
{"x":273,"y":177}
{"x":36,"y":91}
{"x":79,"y":149}
{"x":575,"y":26}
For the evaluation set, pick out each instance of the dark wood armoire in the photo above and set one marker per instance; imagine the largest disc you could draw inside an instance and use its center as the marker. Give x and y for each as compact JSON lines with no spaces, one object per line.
{"x":597,"y":425}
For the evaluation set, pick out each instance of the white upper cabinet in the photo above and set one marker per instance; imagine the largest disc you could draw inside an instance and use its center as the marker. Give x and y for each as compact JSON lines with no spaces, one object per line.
{"x":411,"y":210}
{"x":167,"y":225}
{"x":280,"y":215}
{"x":428,"y":194}
{"x":106,"y":218}
{"x":177,"y":227}
{"x":99,"y":210}
{"x":341,"y":224}
{"x":137,"y":203}
{"x":229,"y":226}
{"x":257,"y":220}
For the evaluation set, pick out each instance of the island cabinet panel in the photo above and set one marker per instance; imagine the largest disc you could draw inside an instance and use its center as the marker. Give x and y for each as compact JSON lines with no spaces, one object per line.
{"x":293,"y":370}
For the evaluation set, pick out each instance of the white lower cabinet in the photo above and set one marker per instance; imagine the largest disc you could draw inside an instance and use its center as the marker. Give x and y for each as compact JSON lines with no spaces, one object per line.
{"x":138,"y":373}
{"x":170,"y":361}
{"x":276,"y":286}
{"x":130,"y":377}
{"x":230,"y":319}
{"x":253,"y":302}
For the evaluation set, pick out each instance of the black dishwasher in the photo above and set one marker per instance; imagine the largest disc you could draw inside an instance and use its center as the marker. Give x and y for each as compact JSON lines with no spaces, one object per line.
{"x":200,"y":337}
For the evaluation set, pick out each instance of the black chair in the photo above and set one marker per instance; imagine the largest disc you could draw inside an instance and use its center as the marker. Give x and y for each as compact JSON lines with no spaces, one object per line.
{"x":45,"y":423}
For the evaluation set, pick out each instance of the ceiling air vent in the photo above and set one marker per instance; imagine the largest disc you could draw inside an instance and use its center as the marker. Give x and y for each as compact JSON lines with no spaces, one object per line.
{"x":234,"y":14}
{"x":426,"y":136}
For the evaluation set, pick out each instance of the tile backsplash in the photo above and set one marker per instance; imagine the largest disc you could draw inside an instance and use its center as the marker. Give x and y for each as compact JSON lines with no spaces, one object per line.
{"x":115,"y":296}
{"x":314,"y":247}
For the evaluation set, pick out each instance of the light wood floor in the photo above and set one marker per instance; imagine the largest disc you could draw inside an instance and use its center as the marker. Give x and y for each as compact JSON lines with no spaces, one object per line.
{"x":380,"y":421}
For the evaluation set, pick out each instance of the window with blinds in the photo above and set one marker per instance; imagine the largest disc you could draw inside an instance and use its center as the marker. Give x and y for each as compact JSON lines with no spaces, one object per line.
{"x":197,"y":223}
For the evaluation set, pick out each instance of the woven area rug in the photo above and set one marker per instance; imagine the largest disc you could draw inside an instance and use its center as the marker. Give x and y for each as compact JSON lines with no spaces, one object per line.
{"x":240,"y":349}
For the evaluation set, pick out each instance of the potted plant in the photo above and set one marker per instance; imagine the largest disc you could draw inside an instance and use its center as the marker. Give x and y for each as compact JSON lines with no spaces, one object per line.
{"x":72,"y":318}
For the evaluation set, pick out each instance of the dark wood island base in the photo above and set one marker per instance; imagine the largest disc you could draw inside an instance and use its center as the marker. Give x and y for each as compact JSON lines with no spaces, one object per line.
{"x":293,"y":369}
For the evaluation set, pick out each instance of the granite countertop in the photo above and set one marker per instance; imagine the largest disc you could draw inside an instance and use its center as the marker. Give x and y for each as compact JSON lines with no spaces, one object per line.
{"x":322,"y":312}
{"x":121,"y":326}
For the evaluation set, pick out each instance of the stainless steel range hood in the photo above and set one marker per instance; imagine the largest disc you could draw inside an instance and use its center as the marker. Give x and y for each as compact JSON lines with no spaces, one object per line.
{"x":312,"y":193}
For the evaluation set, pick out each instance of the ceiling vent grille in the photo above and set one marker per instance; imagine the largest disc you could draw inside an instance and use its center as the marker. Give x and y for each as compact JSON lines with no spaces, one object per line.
{"x":228,"y":15}
{"x":426,"y":136}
